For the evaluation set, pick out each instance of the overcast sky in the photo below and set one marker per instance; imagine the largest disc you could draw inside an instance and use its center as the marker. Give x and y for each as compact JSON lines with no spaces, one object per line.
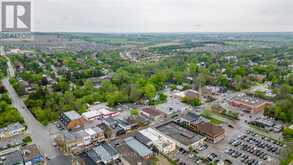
{"x":162,"y":15}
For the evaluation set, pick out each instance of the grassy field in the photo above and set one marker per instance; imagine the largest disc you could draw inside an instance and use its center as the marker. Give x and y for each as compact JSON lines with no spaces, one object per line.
{"x":212,"y":119}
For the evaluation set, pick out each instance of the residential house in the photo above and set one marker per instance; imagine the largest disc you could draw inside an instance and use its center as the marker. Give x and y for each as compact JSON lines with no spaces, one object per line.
{"x":11,"y":130}
{"x":28,"y":88}
{"x":31,"y":155}
{"x":187,"y":94}
{"x":257,"y":77}
{"x":15,"y":129}
{"x":3,"y":133}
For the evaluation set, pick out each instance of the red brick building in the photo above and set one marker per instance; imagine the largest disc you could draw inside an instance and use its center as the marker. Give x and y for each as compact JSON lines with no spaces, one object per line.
{"x":250,"y":104}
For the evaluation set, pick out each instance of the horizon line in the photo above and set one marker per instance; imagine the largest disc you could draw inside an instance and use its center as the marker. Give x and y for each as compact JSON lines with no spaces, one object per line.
{"x":163,"y":32}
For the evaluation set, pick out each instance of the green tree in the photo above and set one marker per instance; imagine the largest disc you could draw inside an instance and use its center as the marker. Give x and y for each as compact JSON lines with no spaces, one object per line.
{"x":149,"y":91}
{"x":134,"y":112}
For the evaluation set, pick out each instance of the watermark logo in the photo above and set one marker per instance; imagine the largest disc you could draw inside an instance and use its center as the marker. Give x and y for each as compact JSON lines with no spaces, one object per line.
{"x":16,"y":20}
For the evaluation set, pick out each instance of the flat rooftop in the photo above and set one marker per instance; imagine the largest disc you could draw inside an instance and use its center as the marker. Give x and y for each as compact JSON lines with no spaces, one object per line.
{"x":72,"y":115}
{"x":130,"y":156}
{"x":248,"y":100}
{"x":179,"y":133}
{"x":138,"y":147}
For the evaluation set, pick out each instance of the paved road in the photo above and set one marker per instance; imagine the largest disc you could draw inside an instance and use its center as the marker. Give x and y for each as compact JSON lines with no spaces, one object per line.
{"x":38,"y":132}
{"x":10,"y":69}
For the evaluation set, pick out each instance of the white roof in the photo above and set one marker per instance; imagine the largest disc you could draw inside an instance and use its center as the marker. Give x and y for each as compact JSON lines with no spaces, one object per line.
{"x":104,"y":111}
{"x":180,"y":94}
{"x":72,"y":115}
{"x":138,"y":147}
{"x":90,"y":131}
{"x":156,"y":137}
{"x":91,"y":114}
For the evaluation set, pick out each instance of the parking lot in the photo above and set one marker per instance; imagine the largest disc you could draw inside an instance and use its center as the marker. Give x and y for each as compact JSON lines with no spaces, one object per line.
{"x":173,"y":104}
{"x":253,"y":149}
{"x":183,"y":157}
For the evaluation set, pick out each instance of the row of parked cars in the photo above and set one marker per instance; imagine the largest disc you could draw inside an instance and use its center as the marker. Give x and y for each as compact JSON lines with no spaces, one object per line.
{"x":262,"y":142}
{"x":265,"y":139}
{"x":252,"y":150}
{"x":263,"y":145}
{"x":244,"y":158}
{"x":248,"y":145}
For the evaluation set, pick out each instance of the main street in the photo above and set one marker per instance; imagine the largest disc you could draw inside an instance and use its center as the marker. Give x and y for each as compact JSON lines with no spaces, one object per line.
{"x":39,"y":134}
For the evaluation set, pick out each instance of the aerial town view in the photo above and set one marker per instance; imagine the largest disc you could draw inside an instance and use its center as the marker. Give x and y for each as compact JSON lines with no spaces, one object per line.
{"x":154,"y":82}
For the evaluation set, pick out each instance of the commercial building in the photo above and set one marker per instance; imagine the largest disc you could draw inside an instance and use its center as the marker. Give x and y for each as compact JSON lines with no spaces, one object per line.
{"x":163,"y":143}
{"x":130,"y":156}
{"x":106,"y":152}
{"x":212,"y":132}
{"x":102,"y":110}
{"x":106,"y":113}
{"x":75,"y":141}
{"x":139,"y":148}
{"x":190,"y":118}
{"x":91,"y":115}
{"x":123,"y":124}
{"x":69,"y":142}
{"x":84,"y":136}
{"x":143,"y":139}
{"x":101,"y":154}
{"x":181,"y":136}
{"x":96,"y":134}
{"x":250,"y":104}
{"x":71,"y":119}
{"x":152,"y":113}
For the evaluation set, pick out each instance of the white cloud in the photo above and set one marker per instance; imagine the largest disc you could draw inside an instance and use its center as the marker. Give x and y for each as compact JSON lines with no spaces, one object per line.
{"x":163,"y":15}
